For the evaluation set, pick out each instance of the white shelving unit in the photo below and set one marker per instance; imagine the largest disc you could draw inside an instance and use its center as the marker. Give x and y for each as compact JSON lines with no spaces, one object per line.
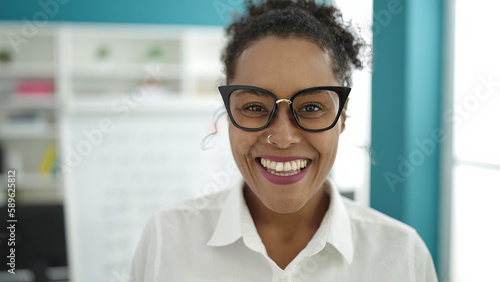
{"x":28,"y":123}
{"x":92,"y":67}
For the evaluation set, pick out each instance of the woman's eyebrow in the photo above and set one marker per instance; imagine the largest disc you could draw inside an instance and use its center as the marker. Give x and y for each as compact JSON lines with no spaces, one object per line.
{"x":251,"y":91}
{"x":313,"y":91}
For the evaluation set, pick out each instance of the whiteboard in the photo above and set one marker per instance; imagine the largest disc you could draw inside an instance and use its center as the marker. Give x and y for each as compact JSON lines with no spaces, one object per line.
{"x":147,"y":162}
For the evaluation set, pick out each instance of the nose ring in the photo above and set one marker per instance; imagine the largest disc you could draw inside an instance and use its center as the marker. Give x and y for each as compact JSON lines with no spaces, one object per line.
{"x":269,"y":141}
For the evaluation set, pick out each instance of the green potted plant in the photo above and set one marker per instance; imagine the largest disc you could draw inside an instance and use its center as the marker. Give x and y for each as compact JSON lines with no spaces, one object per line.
{"x":154,"y":53}
{"x":5,"y":56}
{"x":102,"y":53}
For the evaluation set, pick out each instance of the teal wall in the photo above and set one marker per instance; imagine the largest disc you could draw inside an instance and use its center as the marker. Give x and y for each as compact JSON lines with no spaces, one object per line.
{"x":406,"y":111}
{"x":192,"y":12}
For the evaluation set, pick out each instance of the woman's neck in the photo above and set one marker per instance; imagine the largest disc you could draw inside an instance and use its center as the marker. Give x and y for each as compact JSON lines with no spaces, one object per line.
{"x":308,"y":217}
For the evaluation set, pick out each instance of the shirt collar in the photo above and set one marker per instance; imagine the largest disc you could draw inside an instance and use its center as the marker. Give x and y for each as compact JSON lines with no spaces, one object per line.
{"x":337,"y":224}
{"x":229,"y":224}
{"x":235,"y":222}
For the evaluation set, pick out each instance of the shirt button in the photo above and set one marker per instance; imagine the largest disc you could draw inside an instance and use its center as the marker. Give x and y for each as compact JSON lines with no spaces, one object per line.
{"x":285,"y":279}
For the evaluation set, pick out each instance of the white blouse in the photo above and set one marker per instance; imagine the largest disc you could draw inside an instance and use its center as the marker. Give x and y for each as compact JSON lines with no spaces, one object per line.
{"x":214,"y":239}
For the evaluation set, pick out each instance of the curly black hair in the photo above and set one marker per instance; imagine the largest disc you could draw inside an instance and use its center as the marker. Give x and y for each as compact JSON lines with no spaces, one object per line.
{"x":319,"y":23}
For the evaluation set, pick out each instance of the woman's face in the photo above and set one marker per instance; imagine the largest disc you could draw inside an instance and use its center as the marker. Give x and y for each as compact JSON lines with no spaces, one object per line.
{"x":284,"y":66}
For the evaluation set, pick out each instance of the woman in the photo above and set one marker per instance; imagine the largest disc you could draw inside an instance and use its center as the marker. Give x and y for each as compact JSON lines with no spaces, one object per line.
{"x":287,"y":65}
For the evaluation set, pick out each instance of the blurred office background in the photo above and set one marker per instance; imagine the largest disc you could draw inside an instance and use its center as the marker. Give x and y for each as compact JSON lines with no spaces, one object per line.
{"x":107,"y":110}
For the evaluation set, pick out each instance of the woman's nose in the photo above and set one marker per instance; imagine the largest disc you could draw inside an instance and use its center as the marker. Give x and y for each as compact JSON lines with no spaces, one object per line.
{"x":285,"y":132}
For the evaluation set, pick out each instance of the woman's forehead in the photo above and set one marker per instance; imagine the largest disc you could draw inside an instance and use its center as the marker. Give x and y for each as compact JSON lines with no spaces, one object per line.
{"x":293,"y":62}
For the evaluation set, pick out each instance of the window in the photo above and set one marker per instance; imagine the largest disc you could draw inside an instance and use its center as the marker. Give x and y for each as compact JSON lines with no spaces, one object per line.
{"x":474,"y":160}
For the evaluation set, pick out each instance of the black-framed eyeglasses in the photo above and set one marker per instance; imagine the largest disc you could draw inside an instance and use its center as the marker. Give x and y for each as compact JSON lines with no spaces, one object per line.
{"x":314,"y":109}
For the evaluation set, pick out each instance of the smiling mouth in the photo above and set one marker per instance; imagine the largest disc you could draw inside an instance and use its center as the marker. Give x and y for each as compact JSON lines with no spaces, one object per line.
{"x":289,"y":168}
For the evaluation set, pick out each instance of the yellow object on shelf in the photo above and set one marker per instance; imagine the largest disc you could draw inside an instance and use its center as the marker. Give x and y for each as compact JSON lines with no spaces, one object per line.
{"x":48,"y":161}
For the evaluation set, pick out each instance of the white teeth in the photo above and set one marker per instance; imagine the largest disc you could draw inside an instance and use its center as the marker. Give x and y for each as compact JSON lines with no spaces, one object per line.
{"x":284,"y":174}
{"x":279,"y":166}
{"x":287,"y":166}
{"x":284,"y":166}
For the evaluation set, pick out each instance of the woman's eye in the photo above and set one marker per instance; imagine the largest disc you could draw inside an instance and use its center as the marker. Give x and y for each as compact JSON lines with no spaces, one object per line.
{"x":254,"y":108}
{"x":311,"y":108}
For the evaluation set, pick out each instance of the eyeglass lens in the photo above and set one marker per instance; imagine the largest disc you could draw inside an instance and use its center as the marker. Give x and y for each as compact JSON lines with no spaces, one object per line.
{"x":315,"y":109}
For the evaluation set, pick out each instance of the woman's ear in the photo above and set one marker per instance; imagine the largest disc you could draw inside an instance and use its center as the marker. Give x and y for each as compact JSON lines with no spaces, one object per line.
{"x":344,"y":116}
